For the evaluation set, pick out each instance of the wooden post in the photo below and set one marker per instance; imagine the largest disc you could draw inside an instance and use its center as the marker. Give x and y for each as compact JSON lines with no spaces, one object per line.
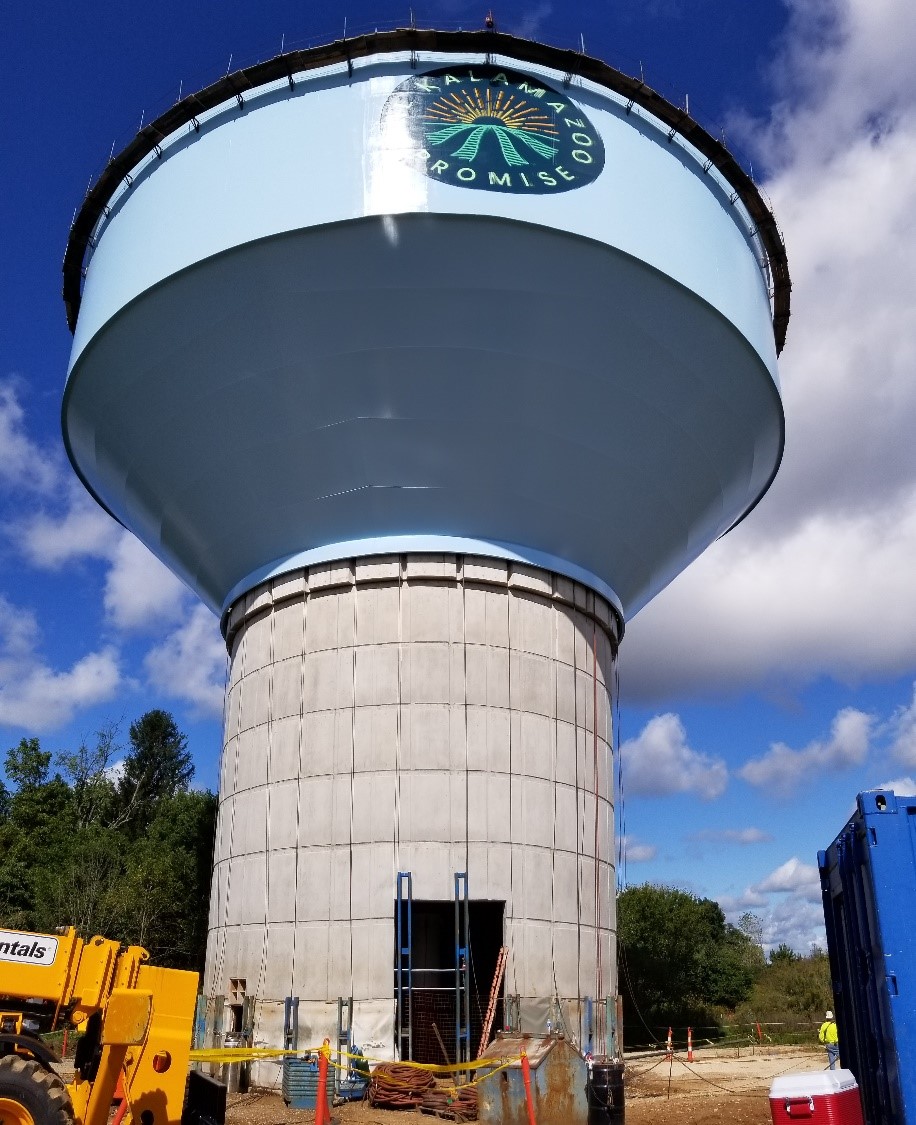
{"x":448,"y":1061}
{"x":526,"y":1076}
{"x":670,"y":1050}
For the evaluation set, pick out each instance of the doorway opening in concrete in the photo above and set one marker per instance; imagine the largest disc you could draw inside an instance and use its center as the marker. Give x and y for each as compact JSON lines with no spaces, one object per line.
{"x":429,"y":1003}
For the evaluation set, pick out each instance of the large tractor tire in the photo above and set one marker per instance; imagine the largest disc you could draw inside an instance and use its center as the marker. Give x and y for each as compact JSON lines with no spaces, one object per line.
{"x":31,"y":1095}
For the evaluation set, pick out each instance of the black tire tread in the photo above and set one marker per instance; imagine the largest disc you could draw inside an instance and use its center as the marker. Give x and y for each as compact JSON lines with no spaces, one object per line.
{"x":16,"y":1071}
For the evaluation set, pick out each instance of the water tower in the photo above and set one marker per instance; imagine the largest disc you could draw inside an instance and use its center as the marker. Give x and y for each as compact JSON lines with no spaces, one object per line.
{"x":426,"y":359}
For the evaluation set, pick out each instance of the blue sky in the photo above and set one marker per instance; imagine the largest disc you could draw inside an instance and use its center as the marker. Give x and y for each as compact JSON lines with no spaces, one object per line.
{"x":775,"y":678}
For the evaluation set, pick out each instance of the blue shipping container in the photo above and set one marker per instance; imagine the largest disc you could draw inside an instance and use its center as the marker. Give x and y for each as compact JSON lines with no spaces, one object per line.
{"x":868,"y":882}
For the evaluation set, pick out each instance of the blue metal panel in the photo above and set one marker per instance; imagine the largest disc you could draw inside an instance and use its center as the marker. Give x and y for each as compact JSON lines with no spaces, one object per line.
{"x":868,"y":881}
{"x":404,"y":970}
{"x":300,"y":1083}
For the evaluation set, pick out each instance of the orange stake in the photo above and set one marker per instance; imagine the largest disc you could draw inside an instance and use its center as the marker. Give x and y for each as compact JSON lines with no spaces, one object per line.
{"x":690,"y":1044}
{"x":526,"y":1075}
{"x":322,"y":1109}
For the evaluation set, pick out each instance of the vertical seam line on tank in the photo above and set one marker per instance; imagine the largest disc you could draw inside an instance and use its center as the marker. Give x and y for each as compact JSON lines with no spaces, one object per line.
{"x":467,"y":754}
{"x":575,"y":639}
{"x":229,"y":865}
{"x":215,"y":859}
{"x":511,"y":825}
{"x":598,"y":973}
{"x":397,"y":748}
{"x":292,"y":981}
{"x":396,"y":827}
{"x":609,"y":822}
{"x":553,"y":779}
{"x":352,"y":766}
{"x":262,"y":971}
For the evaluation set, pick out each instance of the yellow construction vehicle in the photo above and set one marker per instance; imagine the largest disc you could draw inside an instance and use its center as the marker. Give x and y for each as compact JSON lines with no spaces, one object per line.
{"x":137,"y":1022}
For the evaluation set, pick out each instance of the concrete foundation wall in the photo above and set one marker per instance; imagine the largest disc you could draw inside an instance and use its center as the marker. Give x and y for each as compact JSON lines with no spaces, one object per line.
{"x":429,"y":714}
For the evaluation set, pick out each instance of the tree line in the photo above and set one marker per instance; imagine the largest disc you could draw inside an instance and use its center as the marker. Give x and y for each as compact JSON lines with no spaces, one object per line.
{"x":681,"y":964}
{"x":110,"y":839}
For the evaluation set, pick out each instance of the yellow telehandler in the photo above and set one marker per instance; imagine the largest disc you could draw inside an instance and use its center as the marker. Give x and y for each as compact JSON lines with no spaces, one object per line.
{"x":137,"y":1023}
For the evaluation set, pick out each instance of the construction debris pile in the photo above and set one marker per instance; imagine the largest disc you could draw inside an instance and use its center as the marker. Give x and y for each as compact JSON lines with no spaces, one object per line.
{"x":400,"y":1086}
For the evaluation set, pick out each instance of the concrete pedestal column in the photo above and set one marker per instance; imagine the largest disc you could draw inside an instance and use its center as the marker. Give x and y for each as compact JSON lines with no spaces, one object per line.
{"x":421,"y":713}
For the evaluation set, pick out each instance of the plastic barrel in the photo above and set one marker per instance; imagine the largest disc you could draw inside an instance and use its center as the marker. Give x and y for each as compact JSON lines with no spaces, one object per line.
{"x":605,"y":1093}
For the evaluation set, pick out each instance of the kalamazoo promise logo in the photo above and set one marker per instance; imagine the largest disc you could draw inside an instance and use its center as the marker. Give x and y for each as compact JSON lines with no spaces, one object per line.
{"x":499,"y":130}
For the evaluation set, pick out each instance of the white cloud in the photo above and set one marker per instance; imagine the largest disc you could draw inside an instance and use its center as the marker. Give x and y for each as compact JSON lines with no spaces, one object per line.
{"x":793,"y":877}
{"x":811,"y":583}
{"x":903,"y":727}
{"x":792,"y":919}
{"x":139,"y":590}
{"x":796,"y":921}
{"x":50,"y":539}
{"x":902,"y":786}
{"x":66,"y":525}
{"x":115,"y":771}
{"x":781,"y":769}
{"x":780,"y":613}
{"x":788,"y":904}
{"x":735,"y":905}
{"x":635,"y":851}
{"x":33,"y":695}
{"x":190,"y":663}
{"x":23,"y":464}
{"x":741,"y":836}
{"x":659,"y":762}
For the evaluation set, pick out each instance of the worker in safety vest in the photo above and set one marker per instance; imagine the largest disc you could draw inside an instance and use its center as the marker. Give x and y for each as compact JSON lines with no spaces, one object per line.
{"x":831,"y":1040}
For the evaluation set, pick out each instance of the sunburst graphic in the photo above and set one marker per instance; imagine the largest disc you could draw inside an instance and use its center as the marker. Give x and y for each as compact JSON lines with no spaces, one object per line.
{"x":509,"y":118}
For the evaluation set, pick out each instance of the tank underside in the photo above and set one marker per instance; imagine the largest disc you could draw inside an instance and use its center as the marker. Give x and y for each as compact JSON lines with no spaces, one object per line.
{"x":397,"y":376}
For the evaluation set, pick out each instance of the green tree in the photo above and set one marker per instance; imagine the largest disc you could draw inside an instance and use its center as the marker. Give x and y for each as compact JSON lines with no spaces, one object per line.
{"x":86,"y":887}
{"x":752,"y":928}
{"x":783,"y":955}
{"x":157,"y":766}
{"x":27,"y":764}
{"x":129,"y":858}
{"x":90,"y":771}
{"x":34,"y":834}
{"x":679,"y":958}
{"x":168,"y":880}
{"x":791,"y":995}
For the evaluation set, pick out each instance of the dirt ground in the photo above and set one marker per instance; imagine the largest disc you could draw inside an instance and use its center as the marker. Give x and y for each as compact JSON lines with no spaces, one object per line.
{"x":719,"y":1087}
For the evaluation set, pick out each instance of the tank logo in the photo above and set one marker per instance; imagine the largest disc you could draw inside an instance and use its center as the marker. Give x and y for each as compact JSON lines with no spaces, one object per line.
{"x":498,"y":130}
{"x":27,"y":949}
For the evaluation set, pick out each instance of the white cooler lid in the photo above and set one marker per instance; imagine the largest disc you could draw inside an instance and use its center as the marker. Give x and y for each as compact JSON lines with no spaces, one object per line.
{"x":812,"y":1083}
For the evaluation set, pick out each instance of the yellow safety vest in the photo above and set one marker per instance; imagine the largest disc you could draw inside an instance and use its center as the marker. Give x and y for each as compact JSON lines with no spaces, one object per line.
{"x":828,"y":1032}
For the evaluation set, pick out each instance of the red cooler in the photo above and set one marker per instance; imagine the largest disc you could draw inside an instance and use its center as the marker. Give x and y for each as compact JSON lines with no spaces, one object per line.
{"x":817,"y":1097}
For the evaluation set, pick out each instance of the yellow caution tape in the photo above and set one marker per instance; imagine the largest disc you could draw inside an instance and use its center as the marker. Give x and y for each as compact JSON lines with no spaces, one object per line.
{"x":437,"y":1068}
{"x":240,"y":1054}
{"x":223,"y":1055}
